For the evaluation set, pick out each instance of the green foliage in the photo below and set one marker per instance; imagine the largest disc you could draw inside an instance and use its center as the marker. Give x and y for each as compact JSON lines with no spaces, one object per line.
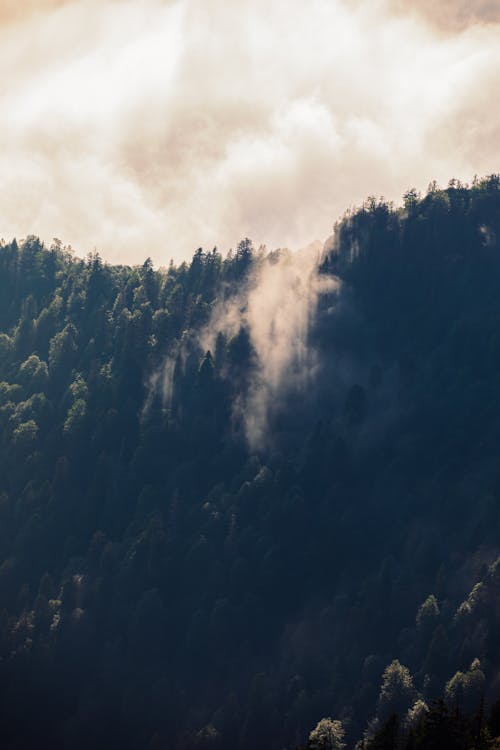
{"x":437,"y":728}
{"x":25,"y":434}
{"x":62,"y":350}
{"x":416,"y":714}
{"x":76,"y":416}
{"x":10,"y":393}
{"x":397,"y":692}
{"x":466,"y":688}
{"x":428,"y":613}
{"x":162,"y":584}
{"x":5,"y":346}
{"x":33,"y":374}
{"x":327,"y":735}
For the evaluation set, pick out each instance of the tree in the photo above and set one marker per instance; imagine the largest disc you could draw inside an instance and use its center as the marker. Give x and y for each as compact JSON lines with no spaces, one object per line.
{"x":62,"y":351}
{"x":33,"y":374}
{"x":328,"y":734}
{"x":416,"y":713}
{"x":397,"y":692}
{"x":465,"y":689}
{"x":25,"y":434}
{"x":76,"y":416}
{"x":386,"y":738}
{"x":428,"y":613}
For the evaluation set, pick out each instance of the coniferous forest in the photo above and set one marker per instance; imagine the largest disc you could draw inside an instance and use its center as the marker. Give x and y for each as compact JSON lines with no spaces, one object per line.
{"x":191,"y":559}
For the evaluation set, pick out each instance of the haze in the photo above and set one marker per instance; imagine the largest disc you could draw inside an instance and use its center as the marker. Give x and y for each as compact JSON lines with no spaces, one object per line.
{"x":152,"y":128}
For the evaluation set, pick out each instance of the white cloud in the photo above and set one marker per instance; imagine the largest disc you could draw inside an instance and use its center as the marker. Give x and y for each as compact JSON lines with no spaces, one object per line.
{"x":152,"y":128}
{"x":450,"y":15}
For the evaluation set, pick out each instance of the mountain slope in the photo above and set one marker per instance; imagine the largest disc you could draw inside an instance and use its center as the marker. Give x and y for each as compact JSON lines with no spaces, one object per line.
{"x":172,"y":577}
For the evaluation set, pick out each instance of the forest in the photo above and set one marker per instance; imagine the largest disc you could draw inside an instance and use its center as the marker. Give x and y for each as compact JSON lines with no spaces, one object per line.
{"x":228,"y":527}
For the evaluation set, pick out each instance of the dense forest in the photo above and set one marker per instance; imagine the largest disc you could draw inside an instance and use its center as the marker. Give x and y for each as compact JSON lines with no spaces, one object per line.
{"x":172,"y":577}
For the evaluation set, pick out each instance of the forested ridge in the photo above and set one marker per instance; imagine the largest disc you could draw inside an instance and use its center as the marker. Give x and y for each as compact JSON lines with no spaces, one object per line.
{"x":168,"y":582}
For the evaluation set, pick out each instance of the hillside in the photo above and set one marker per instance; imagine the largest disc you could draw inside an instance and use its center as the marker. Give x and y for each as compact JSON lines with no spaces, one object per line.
{"x":242,"y":494}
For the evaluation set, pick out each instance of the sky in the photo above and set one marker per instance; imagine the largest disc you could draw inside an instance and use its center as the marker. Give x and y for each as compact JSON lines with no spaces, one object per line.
{"x":153,"y":127}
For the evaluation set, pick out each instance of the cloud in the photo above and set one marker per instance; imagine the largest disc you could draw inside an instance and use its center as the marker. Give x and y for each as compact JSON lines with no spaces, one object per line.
{"x":152,"y":128}
{"x":452,"y":14}
{"x":10,"y":10}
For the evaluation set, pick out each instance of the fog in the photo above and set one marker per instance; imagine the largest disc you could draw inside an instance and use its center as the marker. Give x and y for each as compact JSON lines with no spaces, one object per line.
{"x":277,"y":307}
{"x":154,"y":127}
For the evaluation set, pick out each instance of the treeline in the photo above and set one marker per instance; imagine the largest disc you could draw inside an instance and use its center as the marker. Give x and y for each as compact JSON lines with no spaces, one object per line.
{"x":439,"y":728}
{"x":433,"y":727}
{"x":164,"y":585}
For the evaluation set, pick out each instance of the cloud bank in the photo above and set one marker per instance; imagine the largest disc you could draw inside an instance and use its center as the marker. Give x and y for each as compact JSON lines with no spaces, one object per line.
{"x":153,"y":128}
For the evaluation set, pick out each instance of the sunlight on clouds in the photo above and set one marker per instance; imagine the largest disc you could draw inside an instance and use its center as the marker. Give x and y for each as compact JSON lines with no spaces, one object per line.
{"x":151,"y":128}
{"x":450,"y":15}
{"x":10,"y":10}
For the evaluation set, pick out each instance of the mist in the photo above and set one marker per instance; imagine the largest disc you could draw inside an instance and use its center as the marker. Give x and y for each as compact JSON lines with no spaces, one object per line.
{"x":277,"y":308}
{"x":149,"y":129}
